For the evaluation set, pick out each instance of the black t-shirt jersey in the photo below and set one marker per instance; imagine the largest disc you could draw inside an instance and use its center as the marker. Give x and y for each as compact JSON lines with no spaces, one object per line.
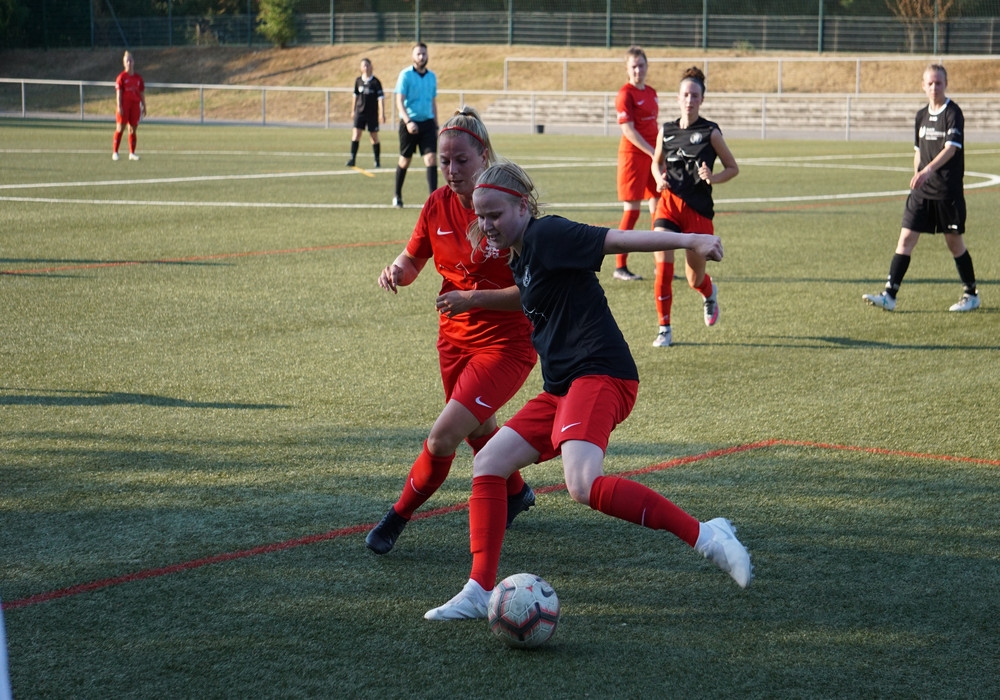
{"x":933,"y":131}
{"x":685,"y":150}
{"x":368,"y":95}
{"x":574,"y":333}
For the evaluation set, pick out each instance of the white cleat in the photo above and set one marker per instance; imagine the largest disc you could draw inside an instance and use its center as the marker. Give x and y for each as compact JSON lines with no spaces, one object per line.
{"x":132,"y":156}
{"x":712,"y":306}
{"x":469,"y":604}
{"x":114,"y":156}
{"x":725,"y":551}
{"x":663,"y":338}
{"x":881,"y":300}
{"x":968,"y":302}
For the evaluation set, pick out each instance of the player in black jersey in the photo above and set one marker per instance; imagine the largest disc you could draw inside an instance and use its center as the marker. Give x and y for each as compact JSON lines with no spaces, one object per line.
{"x":590,"y":382}
{"x":686,"y":150}
{"x":937,"y":200}
{"x":368,"y":109}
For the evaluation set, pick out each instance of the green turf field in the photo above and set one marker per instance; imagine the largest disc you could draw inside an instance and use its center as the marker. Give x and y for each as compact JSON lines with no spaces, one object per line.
{"x":206,"y":401}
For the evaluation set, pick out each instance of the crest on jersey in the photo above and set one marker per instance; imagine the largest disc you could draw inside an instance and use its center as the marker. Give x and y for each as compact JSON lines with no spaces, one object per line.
{"x":696,"y":137}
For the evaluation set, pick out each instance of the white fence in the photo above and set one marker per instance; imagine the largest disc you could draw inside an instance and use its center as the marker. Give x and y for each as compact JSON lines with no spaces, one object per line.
{"x":756,"y":115}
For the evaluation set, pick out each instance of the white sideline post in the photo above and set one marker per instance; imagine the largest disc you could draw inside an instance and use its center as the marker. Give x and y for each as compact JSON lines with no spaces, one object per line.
{"x":4,"y":675}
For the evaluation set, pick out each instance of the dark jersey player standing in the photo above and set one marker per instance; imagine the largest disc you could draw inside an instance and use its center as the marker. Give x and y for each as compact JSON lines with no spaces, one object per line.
{"x":937,"y":200}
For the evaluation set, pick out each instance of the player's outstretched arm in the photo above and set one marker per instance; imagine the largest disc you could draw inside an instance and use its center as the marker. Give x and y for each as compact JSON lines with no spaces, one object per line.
{"x":618,"y":241}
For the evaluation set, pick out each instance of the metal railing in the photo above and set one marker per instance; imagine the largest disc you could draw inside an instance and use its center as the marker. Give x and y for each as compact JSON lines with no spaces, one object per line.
{"x":761,"y":115}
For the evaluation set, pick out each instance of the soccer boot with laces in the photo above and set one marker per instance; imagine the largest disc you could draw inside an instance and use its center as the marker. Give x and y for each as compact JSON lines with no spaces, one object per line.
{"x":397,"y":202}
{"x":664,"y":338}
{"x":968,"y":302}
{"x":626,"y":275}
{"x":115,"y":156}
{"x":469,"y":604}
{"x":383,"y":536}
{"x":712,"y":306}
{"x":519,"y":503}
{"x":133,"y":156}
{"x":882,"y":300}
{"x":719,"y":545}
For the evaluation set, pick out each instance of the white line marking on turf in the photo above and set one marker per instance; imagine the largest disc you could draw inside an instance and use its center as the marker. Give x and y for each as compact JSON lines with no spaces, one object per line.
{"x":820,"y":161}
{"x":177,"y":180}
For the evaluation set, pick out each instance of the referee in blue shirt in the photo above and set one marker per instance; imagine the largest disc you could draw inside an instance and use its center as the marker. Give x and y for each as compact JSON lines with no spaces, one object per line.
{"x":416,"y":102}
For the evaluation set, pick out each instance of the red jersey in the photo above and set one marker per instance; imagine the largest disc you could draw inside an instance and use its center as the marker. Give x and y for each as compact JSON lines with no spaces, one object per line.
{"x":642,"y":109}
{"x":440,"y":234}
{"x":131,"y":87}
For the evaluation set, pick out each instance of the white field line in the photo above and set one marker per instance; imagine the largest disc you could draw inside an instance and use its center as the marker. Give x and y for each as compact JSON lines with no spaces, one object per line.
{"x":825,"y":162}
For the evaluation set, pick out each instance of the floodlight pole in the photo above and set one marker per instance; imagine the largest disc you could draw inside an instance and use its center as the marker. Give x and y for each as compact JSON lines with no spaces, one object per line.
{"x":819,"y":38}
{"x":704,"y":25}
{"x":607,"y":26}
{"x":937,"y":7}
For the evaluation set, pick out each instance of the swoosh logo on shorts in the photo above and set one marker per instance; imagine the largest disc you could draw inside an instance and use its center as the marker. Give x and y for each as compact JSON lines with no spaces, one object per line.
{"x":444,"y":233}
{"x":479,"y":399}
{"x":567,"y":427}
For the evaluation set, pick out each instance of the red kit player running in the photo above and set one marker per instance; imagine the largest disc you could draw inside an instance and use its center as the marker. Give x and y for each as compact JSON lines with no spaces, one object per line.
{"x":484,"y":340}
{"x":130,"y":105}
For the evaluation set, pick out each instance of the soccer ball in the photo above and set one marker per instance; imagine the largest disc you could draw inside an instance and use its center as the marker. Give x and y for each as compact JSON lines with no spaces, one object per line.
{"x":523,"y":610}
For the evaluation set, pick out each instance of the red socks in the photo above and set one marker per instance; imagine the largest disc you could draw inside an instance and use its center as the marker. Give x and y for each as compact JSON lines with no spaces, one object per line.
{"x":118,"y":140}
{"x":629,"y":219}
{"x":663,"y":286}
{"x":487,"y":525}
{"x":132,"y":138}
{"x":426,"y":476}
{"x":631,"y":501}
{"x":706,"y":286}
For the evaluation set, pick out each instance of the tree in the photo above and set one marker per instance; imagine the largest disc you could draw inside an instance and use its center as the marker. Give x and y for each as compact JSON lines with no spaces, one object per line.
{"x":276,"y":21}
{"x":916,"y":15}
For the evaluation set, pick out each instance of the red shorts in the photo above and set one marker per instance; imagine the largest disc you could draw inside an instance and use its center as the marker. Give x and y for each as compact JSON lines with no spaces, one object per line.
{"x":673,"y":210}
{"x":589,"y":411}
{"x":483,"y":380}
{"x":635,"y":177}
{"x":129,"y":114}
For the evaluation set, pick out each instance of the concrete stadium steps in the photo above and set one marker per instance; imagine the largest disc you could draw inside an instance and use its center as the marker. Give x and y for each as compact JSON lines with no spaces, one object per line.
{"x":749,"y":111}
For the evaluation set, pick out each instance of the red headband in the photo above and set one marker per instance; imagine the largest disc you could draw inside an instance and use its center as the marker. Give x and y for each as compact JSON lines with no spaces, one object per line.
{"x":505,"y":190}
{"x":470,"y":133}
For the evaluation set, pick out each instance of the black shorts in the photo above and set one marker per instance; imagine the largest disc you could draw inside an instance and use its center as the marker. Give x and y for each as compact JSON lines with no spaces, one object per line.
{"x":934,"y":215}
{"x":425,"y":138}
{"x":366,"y":121}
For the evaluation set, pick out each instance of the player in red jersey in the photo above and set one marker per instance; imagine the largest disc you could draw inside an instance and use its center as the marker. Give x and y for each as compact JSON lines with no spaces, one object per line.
{"x":638,"y":111}
{"x":590,"y":383}
{"x":130,"y":91}
{"x":484,"y":340}
{"x":686,"y":150}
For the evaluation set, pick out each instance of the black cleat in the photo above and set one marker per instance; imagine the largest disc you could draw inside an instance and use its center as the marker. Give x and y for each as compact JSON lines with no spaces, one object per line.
{"x":383,"y":536}
{"x":350,"y":163}
{"x":519,"y":503}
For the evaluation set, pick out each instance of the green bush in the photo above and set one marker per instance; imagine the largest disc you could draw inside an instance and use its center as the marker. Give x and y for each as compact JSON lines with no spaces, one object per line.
{"x":276,"y":21}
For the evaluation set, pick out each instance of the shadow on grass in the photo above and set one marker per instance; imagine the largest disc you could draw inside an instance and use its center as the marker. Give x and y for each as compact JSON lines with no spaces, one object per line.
{"x":61,"y":397}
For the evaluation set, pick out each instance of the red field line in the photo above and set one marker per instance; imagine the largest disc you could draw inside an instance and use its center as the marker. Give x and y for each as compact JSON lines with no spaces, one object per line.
{"x":358,"y":529}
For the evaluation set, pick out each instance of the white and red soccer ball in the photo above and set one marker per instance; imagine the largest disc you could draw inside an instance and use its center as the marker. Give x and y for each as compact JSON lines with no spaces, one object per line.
{"x":523,"y":610}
